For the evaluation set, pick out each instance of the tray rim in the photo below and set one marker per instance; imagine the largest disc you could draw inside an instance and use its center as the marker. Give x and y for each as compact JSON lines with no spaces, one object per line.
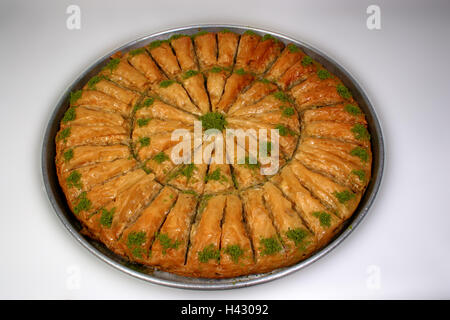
{"x":200,"y":283}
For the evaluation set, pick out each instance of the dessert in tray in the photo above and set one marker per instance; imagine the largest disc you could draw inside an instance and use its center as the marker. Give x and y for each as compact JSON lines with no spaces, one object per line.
{"x":214,"y":219}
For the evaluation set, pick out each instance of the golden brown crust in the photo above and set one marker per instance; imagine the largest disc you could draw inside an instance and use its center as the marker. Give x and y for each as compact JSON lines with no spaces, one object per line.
{"x":246,"y":49}
{"x":195,"y":86}
{"x":173,"y":93}
{"x":127,"y":76}
{"x":184,"y":51}
{"x":143,"y":63}
{"x":213,"y":220}
{"x":290,"y":55}
{"x":257,"y":91}
{"x":206,"y":50}
{"x":234,"y":85}
{"x":166,"y":60}
{"x":227,"y":43}
{"x":264,"y":55}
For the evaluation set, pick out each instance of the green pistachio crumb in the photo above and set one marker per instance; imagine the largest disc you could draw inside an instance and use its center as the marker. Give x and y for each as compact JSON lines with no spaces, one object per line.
{"x":216,"y":69}
{"x":292,"y":48}
{"x":161,"y":157}
{"x":270,"y":246}
{"x":135,"y":52}
{"x":213,"y":120}
{"x":74,"y":180}
{"x":93,"y":81}
{"x":216,"y":176}
{"x":269,"y":37}
{"x":112,"y":64}
{"x":353,"y":110}
{"x":208,"y":253}
{"x":323,"y":74}
{"x":144,"y":167}
{"x":144,"y":141}
{"x":135,"y":241}
{"x":265,"y":81}
{"x":68,"y":155}
{"x":361,"y":174}
{"x":360,"y":132}
{"x":250,"y":163}
{"x":64,"y":134}
{"x":306,"y":61}
{"x":192,"y":192}
{"x":284,"y":131}
{"x":288,"y":112}
{"x":203,"y":203}
{"x":344,"y":196}
{"x":198,"y":34}
{"x":143,"y":122}
{"x":148,"y":102}
{"x":240,"y":71}
{"x":166,"y":83}
{"x":166,"y":242}
{"x":70,"y":115}
{"x":188,"y":170}
{"x":297,"y":235}
{"x":74,"y":96}
{"x":235,"y":252}
{"x":343,"y":91}
{"x":280,"y":95}
{"x":360,"y":153}
{"x":107,"y":217}
{"x":83,"y":203}
{"x":250,"y":33}
{"x":177,"y":36}
{"x":155,"y":44}
{"x":324,"y":218}
{"x":189,"y":73}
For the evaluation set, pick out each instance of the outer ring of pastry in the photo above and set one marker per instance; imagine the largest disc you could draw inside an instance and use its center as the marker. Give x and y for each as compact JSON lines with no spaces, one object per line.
{"x":59,"y":203}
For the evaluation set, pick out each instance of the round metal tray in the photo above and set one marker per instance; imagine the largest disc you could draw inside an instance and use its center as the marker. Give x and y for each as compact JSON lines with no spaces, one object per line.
{"x":58,"y":200}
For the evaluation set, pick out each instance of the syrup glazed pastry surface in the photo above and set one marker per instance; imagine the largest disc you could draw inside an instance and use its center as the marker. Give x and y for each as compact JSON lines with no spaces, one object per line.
{"x":213,"y":220}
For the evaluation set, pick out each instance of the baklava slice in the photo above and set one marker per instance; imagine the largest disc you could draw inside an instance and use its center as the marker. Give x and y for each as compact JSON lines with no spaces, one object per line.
{"x":206,"y":49}
{"x":172,"y":92}
{"x":184,"y":50}
{"x":247,"y":45}
{"x":269,"y":250}
{"x":141,"y":61}
{"x":257,"y":91}
{"x":320,"y":89}
{"x":290,"y":55}
{"x":236,"y":254}
{"x":170,"y":244}
{"x":120,"y":71}
{"x":194,"y":83}
{"x":319,"y":219}
{"x":265,"y":53}
{"x":138,"y":237}
{"x":338,"y":198}
{"x":234,"y":85}
{"x":204,"y":250}
{"x":297,"y":240}
{"x":227,"y":43}
{"x":162,"y":53}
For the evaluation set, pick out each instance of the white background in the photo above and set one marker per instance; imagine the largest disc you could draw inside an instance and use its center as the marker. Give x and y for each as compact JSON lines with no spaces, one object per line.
{"x":404,"y":67}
